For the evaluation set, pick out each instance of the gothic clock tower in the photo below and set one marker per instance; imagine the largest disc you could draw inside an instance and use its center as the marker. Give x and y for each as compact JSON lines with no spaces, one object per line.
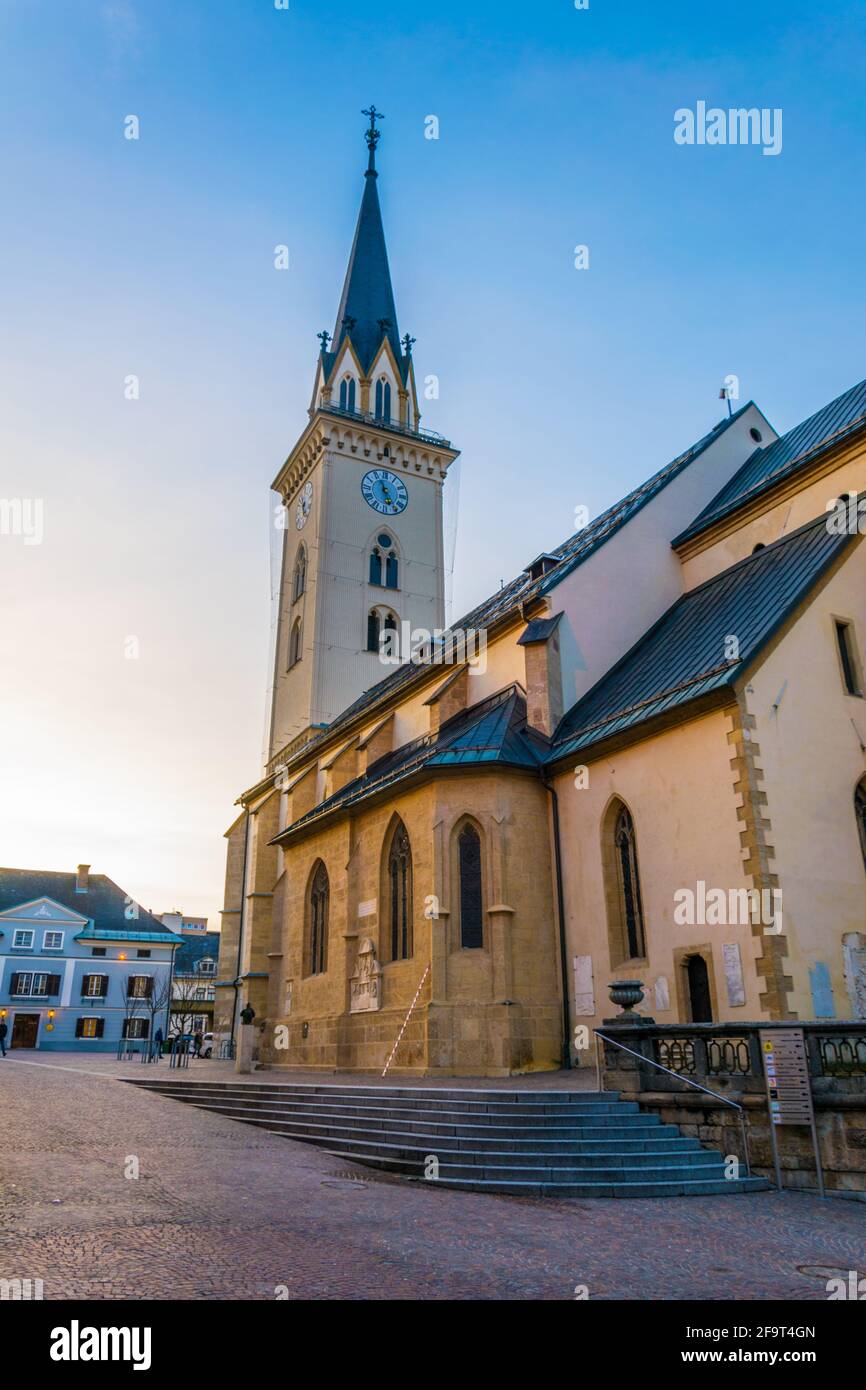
{"x":362,"y":492}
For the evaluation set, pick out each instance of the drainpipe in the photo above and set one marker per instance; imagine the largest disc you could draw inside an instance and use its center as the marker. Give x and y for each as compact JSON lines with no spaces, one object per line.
{"x":560,"y":907}
{"x":241,"y":922}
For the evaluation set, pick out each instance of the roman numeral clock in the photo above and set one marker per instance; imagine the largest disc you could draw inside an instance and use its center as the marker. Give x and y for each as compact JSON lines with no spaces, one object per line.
{"x":384,"y":492}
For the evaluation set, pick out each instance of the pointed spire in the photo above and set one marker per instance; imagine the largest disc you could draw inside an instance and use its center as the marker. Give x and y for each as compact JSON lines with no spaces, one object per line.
{"x":367,"y":313}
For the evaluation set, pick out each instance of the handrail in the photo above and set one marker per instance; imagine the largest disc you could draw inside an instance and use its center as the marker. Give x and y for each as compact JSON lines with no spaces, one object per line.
{"x":677,"y":1077}
{"x":367,"y":417}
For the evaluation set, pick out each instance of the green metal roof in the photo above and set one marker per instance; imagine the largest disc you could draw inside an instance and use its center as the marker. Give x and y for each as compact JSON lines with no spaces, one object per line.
{"x":683,"y":657}
{"x":167,"y":938}
{"x":799,"y":447}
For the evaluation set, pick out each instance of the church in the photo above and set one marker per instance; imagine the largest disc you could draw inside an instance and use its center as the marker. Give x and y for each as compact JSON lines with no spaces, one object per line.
{"x":643,"y":758}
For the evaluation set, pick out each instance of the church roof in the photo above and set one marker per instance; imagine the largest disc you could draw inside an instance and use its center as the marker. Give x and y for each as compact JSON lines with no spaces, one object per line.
{"x":794,"y":450}
{"x":492,"y":732}
{"x":103,"y":901}
{"x":368,"y":297}
{"x":523,"y":589}
{"x":681,"y":659}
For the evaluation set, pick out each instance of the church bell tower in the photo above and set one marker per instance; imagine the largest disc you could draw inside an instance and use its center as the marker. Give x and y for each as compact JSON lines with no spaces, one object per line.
{"x":362,"y":502}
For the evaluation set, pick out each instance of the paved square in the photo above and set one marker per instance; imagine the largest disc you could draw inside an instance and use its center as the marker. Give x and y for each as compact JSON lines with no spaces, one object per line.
{"x":224,"y":1211}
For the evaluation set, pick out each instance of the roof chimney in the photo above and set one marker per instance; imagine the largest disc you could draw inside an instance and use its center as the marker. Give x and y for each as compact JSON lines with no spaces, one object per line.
{"x":81,"y":878}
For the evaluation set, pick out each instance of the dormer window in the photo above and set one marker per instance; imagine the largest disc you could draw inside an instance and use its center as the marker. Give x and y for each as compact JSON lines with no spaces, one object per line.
{"x":541,"y":566}
{"x":383,"y":399}
{"x":347,"y":393}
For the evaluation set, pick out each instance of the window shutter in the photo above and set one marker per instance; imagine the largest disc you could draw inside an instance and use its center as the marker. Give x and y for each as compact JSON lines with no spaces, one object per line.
{"x":13,"y":983}
{"x":148,"y":987}
{"x":100,"y":1026}
{"x":103,"y":986}
{"x":53,"y":984}
{"x":130,"y":986}
{"x":79,"y":1028}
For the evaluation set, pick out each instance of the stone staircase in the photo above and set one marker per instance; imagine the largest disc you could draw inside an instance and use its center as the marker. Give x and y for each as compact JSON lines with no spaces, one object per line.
{"x":520,"y":1143}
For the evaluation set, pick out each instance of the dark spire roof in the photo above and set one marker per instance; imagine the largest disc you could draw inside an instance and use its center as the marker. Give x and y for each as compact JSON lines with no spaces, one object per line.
{"x":367,"y":313}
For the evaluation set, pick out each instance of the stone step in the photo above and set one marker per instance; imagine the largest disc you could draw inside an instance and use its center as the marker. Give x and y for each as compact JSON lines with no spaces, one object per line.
{"x":608,"y":1157}
{"x":493,"y":1103}
{"x":625,"y":1126}
{"x":323,"y":1104}
{"x":609,"y":1175}
{"x":682,"y":1188}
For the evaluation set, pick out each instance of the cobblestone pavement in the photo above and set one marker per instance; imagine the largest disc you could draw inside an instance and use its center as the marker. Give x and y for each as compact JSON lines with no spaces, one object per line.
{"x":222,"y":1211}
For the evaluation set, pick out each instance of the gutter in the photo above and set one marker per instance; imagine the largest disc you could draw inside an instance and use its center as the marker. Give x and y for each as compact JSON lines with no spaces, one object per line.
{"x":560,"y":911}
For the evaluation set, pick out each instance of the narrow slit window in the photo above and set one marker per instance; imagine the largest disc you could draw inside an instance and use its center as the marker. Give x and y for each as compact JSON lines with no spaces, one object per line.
{"x":848,"y":658}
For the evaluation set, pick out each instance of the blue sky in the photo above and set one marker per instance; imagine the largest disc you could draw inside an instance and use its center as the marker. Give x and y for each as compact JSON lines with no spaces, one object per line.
{"x":562,"y":387}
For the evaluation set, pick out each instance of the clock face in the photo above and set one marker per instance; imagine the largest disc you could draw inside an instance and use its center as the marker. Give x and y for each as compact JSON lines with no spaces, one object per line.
{"x":384,"y":492}
{"x":305,"y":502}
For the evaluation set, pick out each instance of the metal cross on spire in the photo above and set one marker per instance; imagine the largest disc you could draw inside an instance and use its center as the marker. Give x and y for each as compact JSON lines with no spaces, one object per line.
{"x":372,"y":136}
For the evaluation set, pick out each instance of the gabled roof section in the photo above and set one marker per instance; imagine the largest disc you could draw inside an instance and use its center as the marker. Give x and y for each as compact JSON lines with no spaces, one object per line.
{"x":523,"y":589}
{"x":801,"y":446}
{"x":492,"y":732}
{"x":104,"y":903}
{"x":682,"y":658}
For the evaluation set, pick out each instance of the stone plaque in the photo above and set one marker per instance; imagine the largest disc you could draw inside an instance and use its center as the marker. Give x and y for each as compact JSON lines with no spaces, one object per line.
{"x":662,"y":994}
{"x":365,"y":986}
{"x":734,"y":974}
{"x":584,"y":991}
{"x":367,"y":909}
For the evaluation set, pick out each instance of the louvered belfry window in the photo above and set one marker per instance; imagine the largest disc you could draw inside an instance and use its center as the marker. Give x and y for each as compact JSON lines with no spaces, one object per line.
{"x":471,"y":919}
{"x":629,"y":883}
{"x":400,"y":894}
{"x":320,"y":892}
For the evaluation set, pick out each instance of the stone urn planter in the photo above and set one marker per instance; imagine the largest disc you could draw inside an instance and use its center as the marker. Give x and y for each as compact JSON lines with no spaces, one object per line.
{"x":626,"y":994}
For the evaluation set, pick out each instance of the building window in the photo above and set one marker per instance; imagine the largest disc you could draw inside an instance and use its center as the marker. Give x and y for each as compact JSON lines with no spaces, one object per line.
{"x":139,"y":987}
{"x":34,"y":985}
{"x":52,"y":941}
{"x":89,"y":1027}
{"x":376,"y":566}
{"x":136,"y":1028}
{"x":848,"y":658}
{"x":97,"y":950}
{"x":347,"y":393}
{"x":295,"y":643}
{"x":206,"y":966}
{"x":391,"y":570}
{"x":383,"y":399}
{"x":23,"y":939}
{"x":142,"y":955}
{"x":469,"y":858}
{"x":94,"y":986}
{"x":400,"y":894}
{"x":299,"y":578}
{"x":372,"y":631}
{"x":622,"y":885}
{"x":860,"y":812}
{"x":320,"y":893}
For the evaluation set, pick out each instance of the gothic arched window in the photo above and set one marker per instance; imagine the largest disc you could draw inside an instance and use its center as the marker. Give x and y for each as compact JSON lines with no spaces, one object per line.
{"x":390,"y":623}
{"x":320,"y":893}
{"x":372,"y":631}
{"x":347,"y":393}
{"x":860,"y":812}
{"x":383,"y":399}
{"x":400,"y":895}
{"x":391,"y":570}
{"x":299,"y":578}
{"x":624,"y":906}
{"x":376,"y":565}
{"x":469,"y":860}
{"x":295,"y":643}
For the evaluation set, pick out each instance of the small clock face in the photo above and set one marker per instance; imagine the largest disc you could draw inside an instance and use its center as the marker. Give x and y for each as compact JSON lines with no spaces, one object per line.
{"x":384,"y":492}
{"x":305,"y":502}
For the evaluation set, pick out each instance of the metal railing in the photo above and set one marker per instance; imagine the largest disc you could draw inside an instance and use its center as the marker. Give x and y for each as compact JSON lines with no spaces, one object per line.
{"x":368,"y":418}
{"x":648,"y":1061}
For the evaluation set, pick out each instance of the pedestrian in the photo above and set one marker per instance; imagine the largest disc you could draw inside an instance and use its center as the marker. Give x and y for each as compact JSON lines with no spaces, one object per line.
{"x":197,"y":1039}
{"x":157,"y":1042}
{"x":3,"y":1031}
